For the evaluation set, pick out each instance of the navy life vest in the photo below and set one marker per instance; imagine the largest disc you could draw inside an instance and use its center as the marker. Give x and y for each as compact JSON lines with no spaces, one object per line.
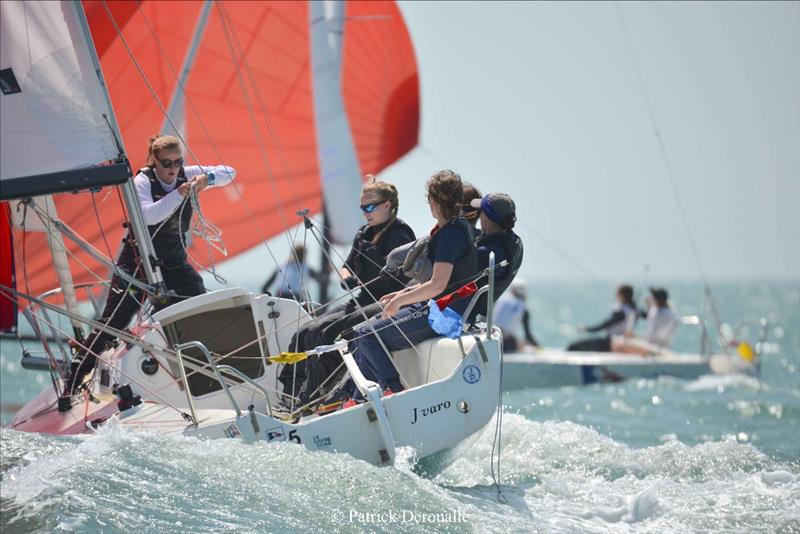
{"x":465,"y":268}
{"x":512,"y":248}
{"x":371,"y":258}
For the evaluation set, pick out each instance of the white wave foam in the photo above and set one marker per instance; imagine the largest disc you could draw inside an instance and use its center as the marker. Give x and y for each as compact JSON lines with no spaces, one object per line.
{"x":579,"y":479}
{"x":556,"y":476}
{"x":720,"y":383}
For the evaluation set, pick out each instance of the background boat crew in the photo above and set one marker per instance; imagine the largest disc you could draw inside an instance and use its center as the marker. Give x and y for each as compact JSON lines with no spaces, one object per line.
{"x":382,"y":233}
{"x":404,"y":320}
{"x":511,"y":315}
{"x":293,"y":277}
{"x":163,"y":188}
{"x":661,"y":325}
{"x":623,"y":318}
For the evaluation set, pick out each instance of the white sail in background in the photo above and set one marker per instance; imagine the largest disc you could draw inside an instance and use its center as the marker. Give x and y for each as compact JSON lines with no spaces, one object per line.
{"x":52,"y":100}
{"x":336,"y":153}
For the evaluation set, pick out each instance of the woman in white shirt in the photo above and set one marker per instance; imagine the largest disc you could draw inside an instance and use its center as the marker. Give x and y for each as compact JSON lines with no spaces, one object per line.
{"x":163,"y":188}
{"x":661,"y":324}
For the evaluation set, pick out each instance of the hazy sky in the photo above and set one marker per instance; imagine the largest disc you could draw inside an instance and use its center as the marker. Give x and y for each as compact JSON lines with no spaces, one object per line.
{"x":541,"y":100}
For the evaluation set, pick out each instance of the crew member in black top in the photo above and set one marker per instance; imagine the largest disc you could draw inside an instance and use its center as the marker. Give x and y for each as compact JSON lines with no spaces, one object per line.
{"x":383,"y":232}
{"x":622,"y":319}
{"x":498,"y":215}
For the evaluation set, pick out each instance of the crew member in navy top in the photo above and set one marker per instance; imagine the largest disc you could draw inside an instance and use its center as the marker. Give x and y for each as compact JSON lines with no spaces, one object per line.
{"x":498,"y":215}
{"x":163,"y":189}
{"x":404,"y":320}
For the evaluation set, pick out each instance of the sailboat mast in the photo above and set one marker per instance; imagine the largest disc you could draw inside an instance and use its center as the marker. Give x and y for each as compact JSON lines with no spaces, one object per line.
{"x":151,"y":271}
{"x":175,"y":121}
{"x":338,"y":163}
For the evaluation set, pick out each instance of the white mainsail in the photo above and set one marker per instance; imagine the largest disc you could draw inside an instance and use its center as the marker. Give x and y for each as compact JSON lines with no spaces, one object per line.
{"x":57,"y":130}
{"x":52,"y":100}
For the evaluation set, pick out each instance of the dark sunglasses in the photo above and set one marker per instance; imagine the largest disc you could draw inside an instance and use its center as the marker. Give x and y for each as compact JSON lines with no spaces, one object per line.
{"x":169,"y":163}
{"x":369,"y":208}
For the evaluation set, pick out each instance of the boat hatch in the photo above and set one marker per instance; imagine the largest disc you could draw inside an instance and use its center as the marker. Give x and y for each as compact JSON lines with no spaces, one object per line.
{"x":222,"y":331}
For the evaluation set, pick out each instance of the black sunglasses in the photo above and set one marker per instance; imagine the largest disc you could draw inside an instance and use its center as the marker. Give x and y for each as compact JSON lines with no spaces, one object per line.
{"x":169,"y":163}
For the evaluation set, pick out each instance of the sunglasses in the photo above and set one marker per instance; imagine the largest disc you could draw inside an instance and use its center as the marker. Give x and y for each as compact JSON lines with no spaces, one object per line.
{"x":369,"y":208}
{"x":169,"y":163}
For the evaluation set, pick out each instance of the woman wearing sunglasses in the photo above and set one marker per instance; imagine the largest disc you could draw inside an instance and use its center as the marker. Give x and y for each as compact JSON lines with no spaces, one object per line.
{"x":163,"y":189}
{"x":383,"y":232}
{"x":404,"y":321}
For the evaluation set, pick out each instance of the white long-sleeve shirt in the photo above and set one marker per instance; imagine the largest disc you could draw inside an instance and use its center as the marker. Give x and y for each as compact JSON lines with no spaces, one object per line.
{"x":661,"y":325}
{"x":156,"y":212}
{"x":508,"y":312}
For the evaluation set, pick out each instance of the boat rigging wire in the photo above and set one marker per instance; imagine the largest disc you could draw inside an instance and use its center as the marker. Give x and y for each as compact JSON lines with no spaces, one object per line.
{"x":571,"y":260}
{"x":100,"y":226}
{"x":207,"y":134}
{"x":498,"y":436}
{"x":670,"y":173}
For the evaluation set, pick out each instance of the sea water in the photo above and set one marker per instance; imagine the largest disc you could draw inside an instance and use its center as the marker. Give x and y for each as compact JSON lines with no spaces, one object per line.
{"x":716,"y":454}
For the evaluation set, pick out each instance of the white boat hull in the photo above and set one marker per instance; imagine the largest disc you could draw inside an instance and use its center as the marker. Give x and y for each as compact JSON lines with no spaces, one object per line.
{"x":558,"y":368}
{"x":428,"y":419}
{"x":452,"y":391}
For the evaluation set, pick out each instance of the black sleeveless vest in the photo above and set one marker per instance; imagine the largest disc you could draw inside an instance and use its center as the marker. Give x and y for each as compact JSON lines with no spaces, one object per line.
{"x":168,"y":239}
{"x":465,"y":268}
{"x":367,"y":265}
{"x":371,"y":258}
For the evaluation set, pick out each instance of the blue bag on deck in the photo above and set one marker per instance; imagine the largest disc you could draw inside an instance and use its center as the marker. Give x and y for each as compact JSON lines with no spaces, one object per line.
{"x":445,"y":322}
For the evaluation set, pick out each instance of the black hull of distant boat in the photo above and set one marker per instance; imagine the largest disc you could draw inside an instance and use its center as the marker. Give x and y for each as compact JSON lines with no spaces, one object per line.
{"x":59,"y":182}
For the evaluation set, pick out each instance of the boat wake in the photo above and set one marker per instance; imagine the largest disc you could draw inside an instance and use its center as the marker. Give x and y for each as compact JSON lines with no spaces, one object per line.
{"x":555,"y":476}
{"x":719,"y":383}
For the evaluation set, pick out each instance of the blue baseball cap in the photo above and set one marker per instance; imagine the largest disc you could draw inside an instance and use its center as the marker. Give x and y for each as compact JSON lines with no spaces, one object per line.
{"x":499,"y":207}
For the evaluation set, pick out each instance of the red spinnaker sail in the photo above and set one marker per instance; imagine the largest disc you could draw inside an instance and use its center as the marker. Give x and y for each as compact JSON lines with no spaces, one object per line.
{"x":276,"y":159}
{"x":8,"y":308}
